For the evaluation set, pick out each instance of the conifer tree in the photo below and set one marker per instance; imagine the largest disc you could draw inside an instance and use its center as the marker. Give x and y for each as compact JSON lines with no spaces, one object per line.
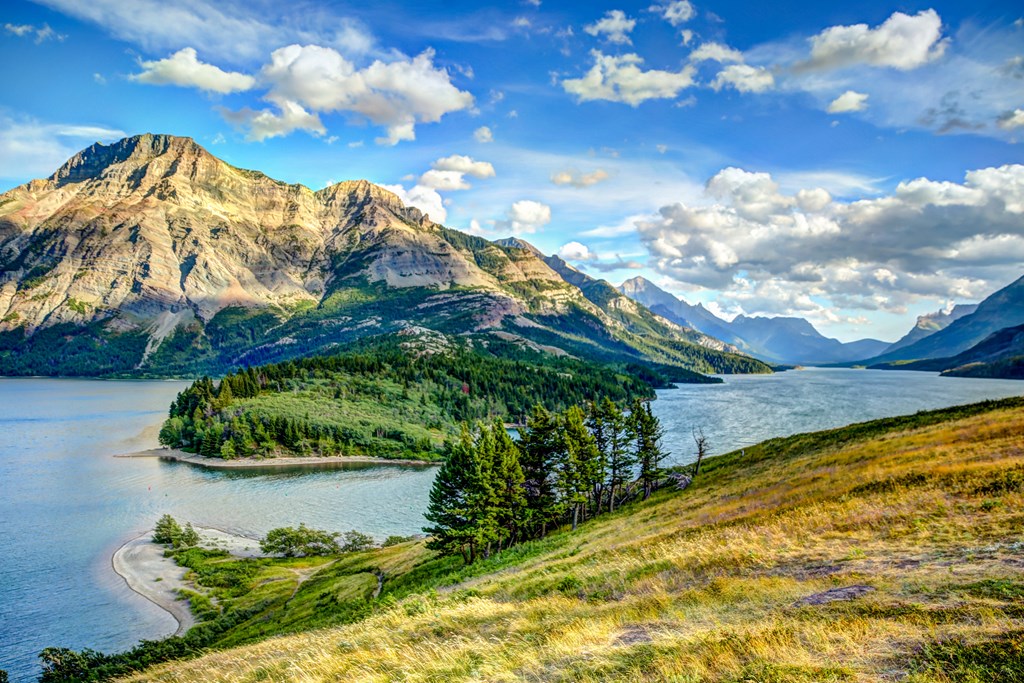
{"x":649,"y":455}
{"x":579,"y":463}
{"x":620,"y":461}
{"x":453,"y":500}
{"x":539,"y":449}
{"x":508,"y":483}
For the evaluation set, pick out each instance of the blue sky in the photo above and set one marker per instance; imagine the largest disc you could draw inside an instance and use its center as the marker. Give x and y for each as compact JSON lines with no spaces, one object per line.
{"x":856,"y":165}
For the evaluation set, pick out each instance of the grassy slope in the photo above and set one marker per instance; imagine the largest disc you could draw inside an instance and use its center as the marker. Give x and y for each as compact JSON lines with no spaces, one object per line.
{"x":705,"y":585}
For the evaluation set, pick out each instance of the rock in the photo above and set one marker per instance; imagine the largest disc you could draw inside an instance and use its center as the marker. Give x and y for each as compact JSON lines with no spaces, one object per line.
{"x":834,"y":595}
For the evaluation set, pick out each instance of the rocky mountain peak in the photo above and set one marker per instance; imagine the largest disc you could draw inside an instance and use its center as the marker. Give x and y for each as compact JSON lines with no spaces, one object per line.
{"x":135,"y":151}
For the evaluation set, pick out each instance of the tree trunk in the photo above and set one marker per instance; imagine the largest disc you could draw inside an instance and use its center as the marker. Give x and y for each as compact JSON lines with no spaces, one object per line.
{"x":575,"y":515}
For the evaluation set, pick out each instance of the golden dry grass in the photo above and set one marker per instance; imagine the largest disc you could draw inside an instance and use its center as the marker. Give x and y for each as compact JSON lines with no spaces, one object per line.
{"x":706,"y":584}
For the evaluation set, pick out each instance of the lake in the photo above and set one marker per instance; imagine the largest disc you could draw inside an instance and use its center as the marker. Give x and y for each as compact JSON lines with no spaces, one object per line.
{"x":67,"y":505}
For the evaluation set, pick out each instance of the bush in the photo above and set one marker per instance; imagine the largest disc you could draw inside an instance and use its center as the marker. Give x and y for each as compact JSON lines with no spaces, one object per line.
{"x":303,"y":541}
{"x":395,"y":540}
{"x":188,"y":538}
{"x":167,"y":531}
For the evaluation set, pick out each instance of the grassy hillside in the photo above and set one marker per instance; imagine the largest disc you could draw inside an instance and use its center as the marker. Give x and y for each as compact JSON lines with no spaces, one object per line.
{"x":886,"y":551}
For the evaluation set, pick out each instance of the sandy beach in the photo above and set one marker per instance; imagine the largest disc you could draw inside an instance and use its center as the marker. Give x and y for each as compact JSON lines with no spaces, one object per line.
{"x":141,"y":563}
{"x":244,"y":463}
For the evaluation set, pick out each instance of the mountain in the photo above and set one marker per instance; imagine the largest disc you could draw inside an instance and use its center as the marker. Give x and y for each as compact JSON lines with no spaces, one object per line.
{"x":1003,"y":309}
{"x":150,"y":256}
{"x":931,"y":323}
{"x":1000,"y":355}
{"x":779,"y":340}
{"x":645,"y":292}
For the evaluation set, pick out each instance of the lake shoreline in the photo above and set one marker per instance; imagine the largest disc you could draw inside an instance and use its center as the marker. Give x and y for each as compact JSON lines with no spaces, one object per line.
{"x":256,"y":463}
{"x":142,"y":565}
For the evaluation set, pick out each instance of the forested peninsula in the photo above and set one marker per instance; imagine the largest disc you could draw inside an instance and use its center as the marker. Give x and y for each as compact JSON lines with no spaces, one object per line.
{"x":394,"y":396}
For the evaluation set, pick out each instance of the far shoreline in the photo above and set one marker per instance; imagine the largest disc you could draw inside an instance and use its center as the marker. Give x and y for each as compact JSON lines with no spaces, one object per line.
{"x":267,"y":463}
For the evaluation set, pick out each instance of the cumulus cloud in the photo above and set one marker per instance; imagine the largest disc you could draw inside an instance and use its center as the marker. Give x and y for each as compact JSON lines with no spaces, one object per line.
{"x":262,"y":124}
{"x":675,"y":13}
{"x":1012,"y":119}
{"x":450,"y":173}
{"x":576,"y":251}
{"x":526,"y":216}
{"x":184,"y":69}
{"x":716,"y":52}
{"x":847,"y":102}
{"x":773,"y":252}
{"x":620,"y":79}
{"x":579,"y":180}
{"x":425,"y":199}
{"x":614,"y":27}
{"x":744,"y":78}
{"x":483,"y":134}
{"x":902,"y":42}
{"x":396,"y":94}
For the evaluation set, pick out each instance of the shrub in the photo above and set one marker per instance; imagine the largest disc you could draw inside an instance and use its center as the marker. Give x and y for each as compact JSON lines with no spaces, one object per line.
{"x":303,"y":541}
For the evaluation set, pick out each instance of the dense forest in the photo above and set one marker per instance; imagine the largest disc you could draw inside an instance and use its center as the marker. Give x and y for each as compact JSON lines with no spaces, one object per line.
{"x":493,"y":491}
{"x":391,"y":397}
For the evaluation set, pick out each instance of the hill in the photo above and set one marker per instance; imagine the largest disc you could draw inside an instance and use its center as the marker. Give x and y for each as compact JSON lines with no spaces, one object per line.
{"x":886,"y":550}
{"x":1002,"y":309}
{"x":150,"y":256}
{"x":778,"y":340}
{"x":1000,"y":355}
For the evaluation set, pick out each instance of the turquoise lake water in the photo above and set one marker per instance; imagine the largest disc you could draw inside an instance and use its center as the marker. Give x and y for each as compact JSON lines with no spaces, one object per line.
{"x":67,"y":505}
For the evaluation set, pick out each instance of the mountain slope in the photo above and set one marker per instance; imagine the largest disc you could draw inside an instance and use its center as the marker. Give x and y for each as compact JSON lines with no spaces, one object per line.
{"x":931,"y":323}
{"x":765,"y":569}
{"x":152,"y":256}
{"x":1000,"y":355}
{"x":1002,"y":309}
{"x":779,"y":340}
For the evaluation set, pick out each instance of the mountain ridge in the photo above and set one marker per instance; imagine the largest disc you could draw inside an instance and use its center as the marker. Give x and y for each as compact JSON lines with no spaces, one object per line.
{"x":151,"y":255}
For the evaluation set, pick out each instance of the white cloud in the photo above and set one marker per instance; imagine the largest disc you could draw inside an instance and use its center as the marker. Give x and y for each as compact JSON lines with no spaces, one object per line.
{"x":231,"y":30}
{"x":744,"y":78}
{"x":579,"y":180}
{"x":576,"y":251}
{"x":464,"y":164}
{"x":483,"y":134}
{"x":396,"y":94}
{"x":526,"y":216}
{"x":184,"y":69}
{"x":902,"y":42}
{"x":687,"y":36}
{"x":425,"y":199}
{"x":449,"y":173}
{"x":620,"y":79}
{"x":40,"y":34}
{"x":614,"y":27}
{"x":1012,"y":119}
{"x":716,"y":52}
{"x":30,"y":148}
{"x":265,"y":123}
{"x":675,"y":13}
{"x":847,"y":102}
{"x":806,"y":253}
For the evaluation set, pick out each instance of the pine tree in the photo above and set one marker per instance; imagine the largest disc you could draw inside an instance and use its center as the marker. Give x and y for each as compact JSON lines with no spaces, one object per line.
{"x":649,"y":454}
{"x":539,"y":446}
{"x":508,"y":482}
{"x":620,"y":460}
{"x":579,"y":465}
{"x":453,"y":500}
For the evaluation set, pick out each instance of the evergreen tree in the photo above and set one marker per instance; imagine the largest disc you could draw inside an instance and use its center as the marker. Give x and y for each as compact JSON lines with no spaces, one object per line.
{"x":579,"y":464}
{"x":539,"y":445}
{"x":508,"y":483}
{"x":189,"y":537}
{"x":167,"y":530}
{"x":649,"y":455}
{"x":620,"y":461}
{"x":453,"y":501}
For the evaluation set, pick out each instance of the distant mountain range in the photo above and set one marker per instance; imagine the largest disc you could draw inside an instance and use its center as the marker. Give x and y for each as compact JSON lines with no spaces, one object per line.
{"x":1001,"y":354}
{"x":150,"y":256}
{"x":1003,"y":309}
{"x":780,"y":340}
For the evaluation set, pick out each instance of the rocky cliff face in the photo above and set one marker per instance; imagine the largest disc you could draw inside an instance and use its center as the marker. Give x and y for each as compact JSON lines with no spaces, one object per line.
{"x":155,"y":237}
